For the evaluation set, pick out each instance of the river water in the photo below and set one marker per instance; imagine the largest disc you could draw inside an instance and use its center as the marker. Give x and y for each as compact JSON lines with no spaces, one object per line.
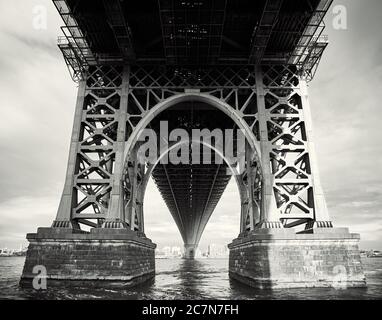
{"x":184,"y":279}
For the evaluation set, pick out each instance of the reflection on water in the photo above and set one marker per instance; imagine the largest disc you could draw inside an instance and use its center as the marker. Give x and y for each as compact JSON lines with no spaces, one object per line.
{"x":183,"y":279}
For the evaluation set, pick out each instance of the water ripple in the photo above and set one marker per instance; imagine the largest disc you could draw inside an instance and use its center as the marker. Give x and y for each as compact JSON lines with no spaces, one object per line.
{"x":183,"y":279}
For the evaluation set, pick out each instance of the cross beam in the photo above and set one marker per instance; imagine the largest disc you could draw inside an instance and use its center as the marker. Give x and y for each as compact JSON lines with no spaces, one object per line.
{"x":263,"y":30}
{"x":120,"y":28}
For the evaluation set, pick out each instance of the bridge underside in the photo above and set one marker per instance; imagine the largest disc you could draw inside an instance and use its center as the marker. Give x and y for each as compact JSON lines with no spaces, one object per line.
{"x":192,"y":34}
{"x":192,"y":190}
{"x":221,"y":64}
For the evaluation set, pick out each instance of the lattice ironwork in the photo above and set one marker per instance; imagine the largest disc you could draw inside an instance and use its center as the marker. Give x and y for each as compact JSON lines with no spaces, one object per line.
{"x":263,"y":31}
{"x":95,"y":146}
{"x":107,"y":190}
{"x":73,"y":45}
{"x":148,"y":86}
{"x":200,"y":33}
{"x":192,"y":30}
{"x":250,"y":186}
{"x":287,"y":140}
{"x":151,"y":85}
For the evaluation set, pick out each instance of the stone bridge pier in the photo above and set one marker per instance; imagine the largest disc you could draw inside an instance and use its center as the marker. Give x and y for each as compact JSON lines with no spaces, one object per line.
{"x":189,"y":251}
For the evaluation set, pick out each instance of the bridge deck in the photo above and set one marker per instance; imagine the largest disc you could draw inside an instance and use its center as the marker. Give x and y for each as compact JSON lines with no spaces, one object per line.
{"x":192,"y":33}
{"x":192,"y":190}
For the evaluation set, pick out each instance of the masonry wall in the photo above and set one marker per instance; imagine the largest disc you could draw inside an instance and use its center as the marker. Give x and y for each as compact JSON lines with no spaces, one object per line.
{"x":301,"y":261}
{"x":128,"y":260}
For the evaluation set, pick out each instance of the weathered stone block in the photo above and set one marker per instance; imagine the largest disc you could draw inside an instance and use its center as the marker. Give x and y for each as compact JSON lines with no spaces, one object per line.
{"x":120,"y":256}
{"x":287,"y":260}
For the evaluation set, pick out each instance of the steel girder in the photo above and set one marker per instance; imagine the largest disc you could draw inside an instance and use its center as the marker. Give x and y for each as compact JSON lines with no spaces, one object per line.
{"x":192,"y":33}
{"x":279,"y":187}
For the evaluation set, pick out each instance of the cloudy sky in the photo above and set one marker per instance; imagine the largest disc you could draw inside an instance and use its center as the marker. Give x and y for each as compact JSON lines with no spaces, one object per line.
{"x":37,"y":106}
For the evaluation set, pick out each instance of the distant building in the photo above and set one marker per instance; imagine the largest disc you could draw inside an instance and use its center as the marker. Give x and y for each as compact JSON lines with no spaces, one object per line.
{"x":375,"y":254}
{"x":5,"y":252}
{"x":176,"y":251}
{"x":198,"y":253}
{"x":168,"y":252}
{"x":217,"y":251}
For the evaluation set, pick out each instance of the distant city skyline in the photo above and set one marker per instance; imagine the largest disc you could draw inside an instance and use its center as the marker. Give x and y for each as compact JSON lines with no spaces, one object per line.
{"x":212,"y":250}
{"x":36,"y":89}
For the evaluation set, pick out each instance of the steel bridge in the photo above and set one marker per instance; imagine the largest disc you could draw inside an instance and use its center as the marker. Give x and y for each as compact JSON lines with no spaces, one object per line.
{"x":194,"y":64}
{"x":156,"y":49}
{"x":194,"y":34}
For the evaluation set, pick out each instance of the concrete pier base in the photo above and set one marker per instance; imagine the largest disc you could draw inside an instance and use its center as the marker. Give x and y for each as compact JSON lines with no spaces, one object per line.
{"x":283,"y":259}
{"x":189,"y":251}
{"x":102,"y":254}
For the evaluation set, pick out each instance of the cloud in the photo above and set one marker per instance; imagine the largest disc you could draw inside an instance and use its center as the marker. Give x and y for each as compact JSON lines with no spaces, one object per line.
{"x":24,"y":214}
{"x":346,"y":112}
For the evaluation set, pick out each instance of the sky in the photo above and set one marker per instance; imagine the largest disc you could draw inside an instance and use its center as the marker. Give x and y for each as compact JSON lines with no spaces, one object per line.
{"x":37,"y":105}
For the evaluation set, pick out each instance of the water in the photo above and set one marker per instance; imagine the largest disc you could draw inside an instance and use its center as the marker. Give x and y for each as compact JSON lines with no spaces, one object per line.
{"x":182,"y":279}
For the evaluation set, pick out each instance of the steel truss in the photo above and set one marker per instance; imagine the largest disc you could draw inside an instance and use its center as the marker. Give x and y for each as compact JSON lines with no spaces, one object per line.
{"x":73,"y":45}
{"x":279,"y":188}
{"x":193,"y":33}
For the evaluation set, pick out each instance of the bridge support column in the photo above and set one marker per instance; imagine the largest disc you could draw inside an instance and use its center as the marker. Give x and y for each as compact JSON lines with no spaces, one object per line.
{"x":294,"y":244}
{"x":291,"y":193}
{"x":96,"y":196}
{"x":190,"y":251}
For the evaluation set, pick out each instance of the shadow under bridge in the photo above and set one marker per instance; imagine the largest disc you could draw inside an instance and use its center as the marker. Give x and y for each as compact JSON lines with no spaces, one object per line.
{"x":193,"y":187}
